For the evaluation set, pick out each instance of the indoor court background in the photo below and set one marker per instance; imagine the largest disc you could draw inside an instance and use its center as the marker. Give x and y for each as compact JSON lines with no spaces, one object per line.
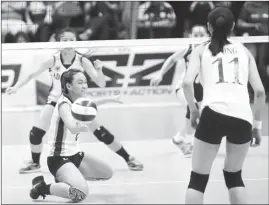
{"x":145,"y":130}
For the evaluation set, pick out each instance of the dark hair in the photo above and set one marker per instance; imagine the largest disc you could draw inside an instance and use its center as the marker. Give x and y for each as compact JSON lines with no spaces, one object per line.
{"x":199,"y":25}
{"x":67,"y":77}
{"x":221,"y":19}
{"x":67,"y":29}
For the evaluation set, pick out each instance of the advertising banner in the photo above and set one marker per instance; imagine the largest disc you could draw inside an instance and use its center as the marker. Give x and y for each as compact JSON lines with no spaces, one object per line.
{"x":128,"y":72}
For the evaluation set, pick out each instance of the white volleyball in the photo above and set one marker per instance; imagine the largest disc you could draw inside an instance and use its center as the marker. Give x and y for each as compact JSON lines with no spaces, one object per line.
{"x":84,"y":110}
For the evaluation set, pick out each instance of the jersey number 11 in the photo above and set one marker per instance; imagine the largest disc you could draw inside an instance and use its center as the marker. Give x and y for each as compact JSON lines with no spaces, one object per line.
{"x":236,"y":70}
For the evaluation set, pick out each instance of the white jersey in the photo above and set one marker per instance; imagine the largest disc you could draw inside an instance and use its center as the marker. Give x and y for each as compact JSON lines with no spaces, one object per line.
{"x":224,"y":78}
{"x":61,"y":141}
{"x":186,"y":58}
{"x":56,"y":72}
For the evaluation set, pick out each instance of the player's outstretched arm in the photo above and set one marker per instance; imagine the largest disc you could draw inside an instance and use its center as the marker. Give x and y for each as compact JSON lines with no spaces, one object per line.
{"x":94,"y":72}
{"x":191,"y":73}
{"x":44,"y":66}
{"x":167,"y":65}
{"x":69,"y":121}
{"x":112,"y":99}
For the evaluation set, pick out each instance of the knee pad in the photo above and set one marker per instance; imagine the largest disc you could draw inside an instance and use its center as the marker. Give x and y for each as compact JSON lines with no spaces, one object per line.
{"x":76,"y":195}
{"x":233,"y":179}
{"x":104,"y":135}
{"x":36,"y":136}
{"x":198,"y":182}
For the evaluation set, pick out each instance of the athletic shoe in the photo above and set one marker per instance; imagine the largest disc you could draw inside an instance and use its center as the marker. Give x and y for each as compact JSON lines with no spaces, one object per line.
{"x":30,"y":167}
{"x":178,"y":143}
{"x":38,"y":185}
{"x":134,"y":165}
{"x":188,"y":149}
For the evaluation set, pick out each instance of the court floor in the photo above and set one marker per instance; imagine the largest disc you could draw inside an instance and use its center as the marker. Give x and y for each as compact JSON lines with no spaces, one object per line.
{"x":163,"y":181}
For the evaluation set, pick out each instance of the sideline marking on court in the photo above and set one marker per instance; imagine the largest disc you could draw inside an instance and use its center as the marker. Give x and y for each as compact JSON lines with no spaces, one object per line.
{"x":141,"y":183}
{"x":123,"y":141}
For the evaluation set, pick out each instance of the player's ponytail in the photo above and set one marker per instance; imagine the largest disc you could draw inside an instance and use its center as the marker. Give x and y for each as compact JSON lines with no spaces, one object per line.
{"x":67,"y":77}
{"x":221,"y":19}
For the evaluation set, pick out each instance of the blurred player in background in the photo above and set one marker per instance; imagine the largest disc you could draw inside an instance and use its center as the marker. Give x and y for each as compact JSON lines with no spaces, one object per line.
{"x":69,"y":165}
{"x":183,"y":139}
{"x":67,"y":58}
{"x":225,"y":67}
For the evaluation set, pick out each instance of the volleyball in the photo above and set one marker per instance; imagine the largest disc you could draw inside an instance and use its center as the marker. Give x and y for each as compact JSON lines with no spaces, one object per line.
{"x":84,"y":110}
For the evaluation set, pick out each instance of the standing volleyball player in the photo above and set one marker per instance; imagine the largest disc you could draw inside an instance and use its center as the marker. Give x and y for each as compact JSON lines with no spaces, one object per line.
{"x":69,"y":165}
{"x":184,"y":138}
{"x":225,"y":68}
{"x":66,"y":59}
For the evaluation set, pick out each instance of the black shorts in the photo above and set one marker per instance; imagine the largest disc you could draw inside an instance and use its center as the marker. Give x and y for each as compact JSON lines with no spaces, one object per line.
{"x":198,"y":94}
{"x":55,"y":162}
{"x":213,"y":126}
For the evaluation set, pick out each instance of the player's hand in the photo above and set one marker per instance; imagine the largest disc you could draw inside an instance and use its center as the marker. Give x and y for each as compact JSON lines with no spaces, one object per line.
{"x":155,"y":81}
{"x":195,"y":116}
{"x":256,"y":138}
{"x":11,"y":90}
{"x":83,"y":127}
{"x":117,"y":99}
{"x":98,"y":65}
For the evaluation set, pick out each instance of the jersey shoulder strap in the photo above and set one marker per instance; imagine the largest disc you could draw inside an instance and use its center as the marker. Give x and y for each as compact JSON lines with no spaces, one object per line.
{"x":189,"y":50}
{"x":64,"y":99}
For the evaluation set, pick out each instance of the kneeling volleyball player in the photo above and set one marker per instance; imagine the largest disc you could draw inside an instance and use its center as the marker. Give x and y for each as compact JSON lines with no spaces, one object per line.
{"x":66,"y":59}
{"x":69,"y":165}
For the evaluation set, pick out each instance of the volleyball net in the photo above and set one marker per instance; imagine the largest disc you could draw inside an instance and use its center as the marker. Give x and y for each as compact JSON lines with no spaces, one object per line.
{"x":127,"y":64}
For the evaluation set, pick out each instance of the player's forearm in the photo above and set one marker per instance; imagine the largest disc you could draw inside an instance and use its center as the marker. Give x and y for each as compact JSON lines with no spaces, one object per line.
{"x":106,"y":100}
{"x":100,"y":79}
{"x":259,"y":104}
{"x":76,"y":128}
{"x":24,"y":81}
{"x":189,"y":95}
{"x":166,"y":66}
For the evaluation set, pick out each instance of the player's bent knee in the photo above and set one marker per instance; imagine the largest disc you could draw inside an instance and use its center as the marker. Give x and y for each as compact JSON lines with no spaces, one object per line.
{"x":233,"y":179}
{"x":36,"y":135}
{"x":78,"y":195}
{"x":104,"y":135}
{"x":198,"y":181}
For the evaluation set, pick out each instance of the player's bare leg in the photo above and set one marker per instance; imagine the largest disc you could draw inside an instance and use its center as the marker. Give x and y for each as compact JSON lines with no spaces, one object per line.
{"x":103,"y":135}
{"x":37,"y":133}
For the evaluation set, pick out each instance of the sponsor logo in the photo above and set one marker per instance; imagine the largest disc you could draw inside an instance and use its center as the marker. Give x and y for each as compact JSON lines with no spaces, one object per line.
{"x":134,"y":73}
{"x":10,"y":75}
{"x":131,"y":71}
{"x":142,"y":66}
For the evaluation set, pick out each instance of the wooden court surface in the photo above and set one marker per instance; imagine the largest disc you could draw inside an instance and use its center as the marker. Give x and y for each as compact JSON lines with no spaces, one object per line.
{"x":164,"y":179}
{"x":146,"y":133}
